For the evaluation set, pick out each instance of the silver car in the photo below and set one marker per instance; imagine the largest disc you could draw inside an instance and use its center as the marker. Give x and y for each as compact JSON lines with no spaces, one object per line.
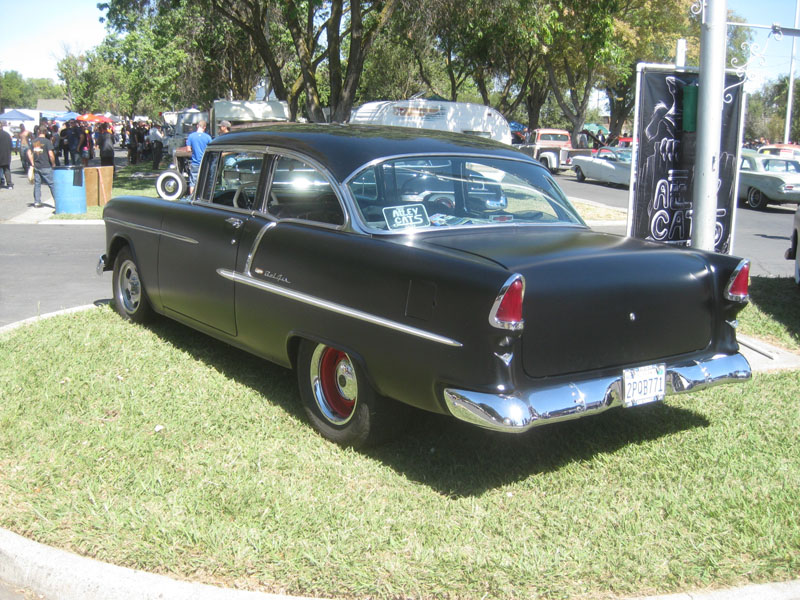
{"x":609,"y":164}
{"x":768,"y":179}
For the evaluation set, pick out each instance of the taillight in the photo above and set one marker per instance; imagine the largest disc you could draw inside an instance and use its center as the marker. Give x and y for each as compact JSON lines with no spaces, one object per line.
{"x":506,"y":312}
{"x":739,"y":283}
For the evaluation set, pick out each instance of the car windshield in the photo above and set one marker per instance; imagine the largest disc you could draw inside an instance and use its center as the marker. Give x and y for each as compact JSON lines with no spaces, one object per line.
{"x":451,"y":191}
{"x":623,"y":155}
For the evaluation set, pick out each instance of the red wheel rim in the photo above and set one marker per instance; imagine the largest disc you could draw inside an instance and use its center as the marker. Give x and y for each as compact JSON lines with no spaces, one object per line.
{"x":331,"y":365}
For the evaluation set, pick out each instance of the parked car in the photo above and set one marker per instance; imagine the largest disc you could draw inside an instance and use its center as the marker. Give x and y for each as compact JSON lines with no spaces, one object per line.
{"x":610,"y":165}
{"x":783,"y":150}
{"x":396,"y":268}
{"x":768,"y":179}
{"x":553,"y":148}
{"x":792,"y":252}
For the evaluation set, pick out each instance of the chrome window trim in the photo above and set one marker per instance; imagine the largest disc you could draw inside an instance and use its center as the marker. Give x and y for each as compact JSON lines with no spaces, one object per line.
{"x":153,"y":230}
{"x":204,"y":168}
{"x":361,"y":227}
{"x":336,"y":187}
{"x":256,"y":243}
{"x":336,"y":308}
{"x":522,"y":158}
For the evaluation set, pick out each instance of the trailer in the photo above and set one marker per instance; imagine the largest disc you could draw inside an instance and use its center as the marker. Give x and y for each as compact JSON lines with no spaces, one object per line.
{"x":461,"y":117}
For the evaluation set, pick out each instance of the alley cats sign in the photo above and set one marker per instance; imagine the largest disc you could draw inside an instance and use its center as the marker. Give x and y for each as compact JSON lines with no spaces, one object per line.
{"x":661,"y":200}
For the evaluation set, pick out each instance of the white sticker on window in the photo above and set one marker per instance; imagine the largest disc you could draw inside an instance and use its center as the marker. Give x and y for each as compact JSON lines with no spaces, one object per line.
{"x":406,"y":217}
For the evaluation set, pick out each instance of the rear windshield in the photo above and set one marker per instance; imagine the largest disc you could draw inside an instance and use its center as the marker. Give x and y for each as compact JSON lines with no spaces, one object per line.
{"x":442,"y":191}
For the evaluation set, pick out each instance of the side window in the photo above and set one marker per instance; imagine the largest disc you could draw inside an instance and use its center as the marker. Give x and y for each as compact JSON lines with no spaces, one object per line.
{"x":235,"y":178}
{"x":745,"y":165}
{"x":206,"y":185}
{"x":299,"y":191}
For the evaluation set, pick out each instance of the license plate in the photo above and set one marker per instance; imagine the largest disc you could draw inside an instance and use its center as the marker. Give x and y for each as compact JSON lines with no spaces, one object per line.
{"x":644,"y":384}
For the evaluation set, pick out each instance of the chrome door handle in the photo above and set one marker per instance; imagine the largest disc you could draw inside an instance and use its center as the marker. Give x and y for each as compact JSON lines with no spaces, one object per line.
{"x":234,"y":222}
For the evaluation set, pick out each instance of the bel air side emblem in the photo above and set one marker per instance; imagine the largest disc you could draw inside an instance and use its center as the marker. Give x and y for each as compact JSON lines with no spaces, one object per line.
{"x":271,"y":275}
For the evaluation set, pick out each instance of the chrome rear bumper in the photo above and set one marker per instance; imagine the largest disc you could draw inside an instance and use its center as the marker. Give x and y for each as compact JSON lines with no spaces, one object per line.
{"x":522,"y":410}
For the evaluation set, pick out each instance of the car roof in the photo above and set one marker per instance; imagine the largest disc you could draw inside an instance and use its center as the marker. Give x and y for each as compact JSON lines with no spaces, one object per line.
{"x":343,"y":148}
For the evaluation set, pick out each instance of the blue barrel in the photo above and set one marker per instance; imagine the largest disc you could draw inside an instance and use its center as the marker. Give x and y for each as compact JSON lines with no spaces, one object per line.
{"x":69,"y":190}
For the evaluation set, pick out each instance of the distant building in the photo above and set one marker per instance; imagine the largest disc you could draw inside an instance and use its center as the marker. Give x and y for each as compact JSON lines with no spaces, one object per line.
{"x":51,"y":105}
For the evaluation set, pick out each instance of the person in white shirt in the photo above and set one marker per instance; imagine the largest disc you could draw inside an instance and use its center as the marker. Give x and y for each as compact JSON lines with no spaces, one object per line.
{"x":157,"y":144}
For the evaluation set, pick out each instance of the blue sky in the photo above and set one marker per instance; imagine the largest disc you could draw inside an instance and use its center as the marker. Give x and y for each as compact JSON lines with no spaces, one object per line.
{"x":777,"y":54}
{"x":35,"y":33}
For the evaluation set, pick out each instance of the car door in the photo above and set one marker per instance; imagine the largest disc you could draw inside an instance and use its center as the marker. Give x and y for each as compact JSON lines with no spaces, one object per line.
{"x":201,"y":238}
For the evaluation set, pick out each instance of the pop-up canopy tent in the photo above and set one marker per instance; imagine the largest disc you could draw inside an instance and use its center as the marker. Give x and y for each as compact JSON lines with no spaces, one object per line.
{"x":15,"y":115}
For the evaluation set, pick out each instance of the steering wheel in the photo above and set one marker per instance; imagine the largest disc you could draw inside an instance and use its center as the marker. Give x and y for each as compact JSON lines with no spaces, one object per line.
{"x":237,"y":197}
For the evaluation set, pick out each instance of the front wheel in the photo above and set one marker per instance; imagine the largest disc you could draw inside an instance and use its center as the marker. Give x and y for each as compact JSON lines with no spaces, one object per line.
{"x":756,"y":200}
{"x":797,"y":260}
{"x":130,"y":300}
{"x":171,"y":185}
{"x":339,"y":400}
{"x":579,"y":175}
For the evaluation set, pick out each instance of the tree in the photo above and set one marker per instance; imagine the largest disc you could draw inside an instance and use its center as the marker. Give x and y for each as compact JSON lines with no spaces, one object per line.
{"x":577,"y":45}
{"x":12,"y":90}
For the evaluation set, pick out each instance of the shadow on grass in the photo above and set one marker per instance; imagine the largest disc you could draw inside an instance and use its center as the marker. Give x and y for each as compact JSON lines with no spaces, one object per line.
{"x":778,"y":298}
{"x":449,"y":456}
{"x":460,"y":460}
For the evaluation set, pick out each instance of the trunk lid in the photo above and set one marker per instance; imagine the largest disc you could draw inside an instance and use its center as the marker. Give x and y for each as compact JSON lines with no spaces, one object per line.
{"x":595,"y":301}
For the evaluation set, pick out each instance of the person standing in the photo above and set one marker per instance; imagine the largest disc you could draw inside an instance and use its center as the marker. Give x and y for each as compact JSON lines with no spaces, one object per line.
{"x":157,"y":141}
{"x":5,"y":157}
{"x":196,"y":142}
{"x":86,"y":144}
{"x":74,"y":142}
{"x":24,"y":144}
{"x":41,"y":156}
{"x":224,"y":127}
{"x":105,"y":141}
{"x":64,"y":143}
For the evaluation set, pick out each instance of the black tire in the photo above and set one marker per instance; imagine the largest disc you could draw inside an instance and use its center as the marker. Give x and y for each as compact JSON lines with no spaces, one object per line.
{"x":795,"y":243}
{"x":171,"y":185}
{"x":579,"y":175}
{"x":130,"y":299}
{"x":340,"y":402}
{"x":756,"y":200}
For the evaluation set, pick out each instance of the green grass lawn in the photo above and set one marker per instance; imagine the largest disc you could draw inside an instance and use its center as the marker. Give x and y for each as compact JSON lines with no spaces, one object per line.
{"x":161,"y":449}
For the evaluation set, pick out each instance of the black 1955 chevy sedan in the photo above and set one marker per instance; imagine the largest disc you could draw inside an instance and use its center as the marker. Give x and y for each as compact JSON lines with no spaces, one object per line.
{"x":396,"y":268}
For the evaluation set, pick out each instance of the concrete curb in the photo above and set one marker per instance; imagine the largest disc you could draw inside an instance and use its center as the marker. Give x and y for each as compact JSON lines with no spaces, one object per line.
{"x":789,"y":590}
{"x":66,"y":311}
{"x":65,"y":576}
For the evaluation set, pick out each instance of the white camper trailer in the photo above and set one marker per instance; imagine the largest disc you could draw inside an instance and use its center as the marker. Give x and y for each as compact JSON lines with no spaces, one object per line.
{"x":253,"y":113}
{"x":461,"y":117}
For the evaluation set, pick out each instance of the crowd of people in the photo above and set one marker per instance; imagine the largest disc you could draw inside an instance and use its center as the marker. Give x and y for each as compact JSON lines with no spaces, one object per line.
{"x":144,"y":141}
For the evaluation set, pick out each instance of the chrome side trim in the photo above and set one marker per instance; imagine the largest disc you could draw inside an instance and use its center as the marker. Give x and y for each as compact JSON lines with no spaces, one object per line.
{"x":153,"y":230}
{"x":517,"y":412}
{"x":256,"y":244}
{"x":336,"y":308}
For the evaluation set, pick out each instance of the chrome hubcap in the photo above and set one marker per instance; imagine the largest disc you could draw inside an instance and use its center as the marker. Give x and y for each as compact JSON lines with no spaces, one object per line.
{"x":334,"y":384}
{"x":129,"y":287}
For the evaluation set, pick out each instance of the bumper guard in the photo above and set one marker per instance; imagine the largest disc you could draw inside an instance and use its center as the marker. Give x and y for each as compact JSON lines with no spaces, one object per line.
{"x":518,"y":412}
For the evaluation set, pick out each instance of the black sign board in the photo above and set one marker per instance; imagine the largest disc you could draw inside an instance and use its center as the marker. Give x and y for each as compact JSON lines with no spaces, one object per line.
{"x":666,"y":140}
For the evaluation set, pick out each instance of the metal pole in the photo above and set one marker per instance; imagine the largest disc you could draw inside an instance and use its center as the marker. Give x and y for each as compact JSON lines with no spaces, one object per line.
{"x":713,"y":36}
{"x":788,"y":126}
